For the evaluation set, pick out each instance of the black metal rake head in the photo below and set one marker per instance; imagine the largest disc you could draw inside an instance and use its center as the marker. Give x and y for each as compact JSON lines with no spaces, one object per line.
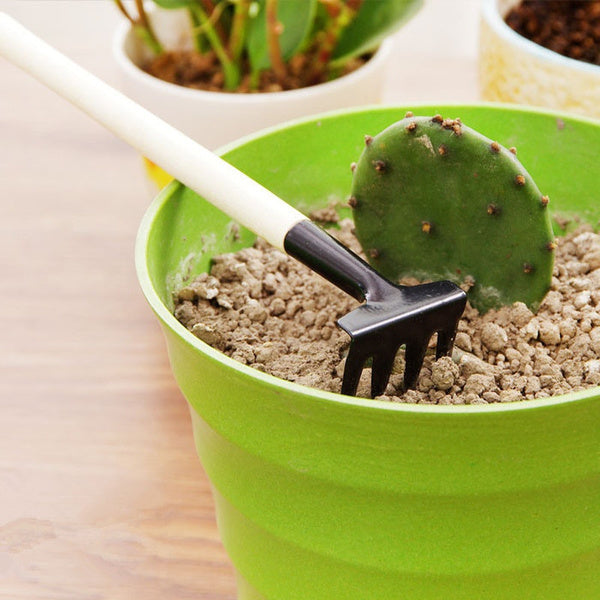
{"x":394,"y":316}
{"x":391,"y":316}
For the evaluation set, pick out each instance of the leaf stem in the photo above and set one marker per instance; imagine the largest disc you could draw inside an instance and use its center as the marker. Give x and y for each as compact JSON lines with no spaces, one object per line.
{"x":123,"y":10}
{"x":274,"y":30}
{"x":238,"y":29}
{"x":196,"y":32}
{"x":254,"y":79}
{"x":211,"y":11}
{"x":213,"y":14}
{"x":144,"y":22}
{"x":230,"y":69}
{"x":141,"y":26}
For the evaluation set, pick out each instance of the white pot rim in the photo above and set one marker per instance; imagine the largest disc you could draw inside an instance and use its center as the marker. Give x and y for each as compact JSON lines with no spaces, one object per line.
{"x":491,"y":14}
{"x":132,"y":70}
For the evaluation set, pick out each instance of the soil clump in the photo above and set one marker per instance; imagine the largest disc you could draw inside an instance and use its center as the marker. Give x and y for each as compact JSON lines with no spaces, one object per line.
{"x":267,"y":310}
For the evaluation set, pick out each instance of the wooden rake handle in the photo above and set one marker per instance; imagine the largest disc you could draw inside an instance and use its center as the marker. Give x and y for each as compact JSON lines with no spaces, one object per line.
{"x":236,"y":194}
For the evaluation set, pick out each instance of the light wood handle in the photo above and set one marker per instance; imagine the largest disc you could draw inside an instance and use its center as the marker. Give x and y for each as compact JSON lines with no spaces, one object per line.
{"x":228,"y":189}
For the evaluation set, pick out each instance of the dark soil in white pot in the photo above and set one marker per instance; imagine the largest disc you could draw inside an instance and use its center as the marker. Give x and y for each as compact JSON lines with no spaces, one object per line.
{"x":203,"y":72}
{"x":571,"y":28}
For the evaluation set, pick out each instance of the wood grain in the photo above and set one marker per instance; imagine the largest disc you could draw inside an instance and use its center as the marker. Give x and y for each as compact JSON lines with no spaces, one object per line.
{"x":101,"y":493}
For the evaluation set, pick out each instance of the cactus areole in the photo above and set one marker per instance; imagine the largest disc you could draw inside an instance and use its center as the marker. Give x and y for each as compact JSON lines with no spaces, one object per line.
{"x":434,"y":199}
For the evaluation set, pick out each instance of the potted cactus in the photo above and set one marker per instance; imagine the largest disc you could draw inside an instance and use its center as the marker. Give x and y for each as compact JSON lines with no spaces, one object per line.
{"x":325,"y":496}
{"x":417,"y":181}
{"x":300,"y":57}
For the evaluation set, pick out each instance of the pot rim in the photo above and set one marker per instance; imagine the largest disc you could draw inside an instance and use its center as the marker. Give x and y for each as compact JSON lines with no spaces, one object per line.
{"x":491,"y":15}
{"x":126,"y":64}
{"x":176,"y":327}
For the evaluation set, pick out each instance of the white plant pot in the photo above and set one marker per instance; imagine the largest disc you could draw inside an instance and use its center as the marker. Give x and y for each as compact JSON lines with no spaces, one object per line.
{"x":515,"y":69}
{"x":216,"y":118}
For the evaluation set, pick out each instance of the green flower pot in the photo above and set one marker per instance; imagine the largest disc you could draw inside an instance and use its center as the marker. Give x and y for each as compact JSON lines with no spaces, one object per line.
{"x":325,"y":497}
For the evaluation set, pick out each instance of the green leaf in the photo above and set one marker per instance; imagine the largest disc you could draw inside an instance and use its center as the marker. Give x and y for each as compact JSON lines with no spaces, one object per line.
{"x":169,"y":4}
{"x":375,"y":20}
{"x":296,"y":16}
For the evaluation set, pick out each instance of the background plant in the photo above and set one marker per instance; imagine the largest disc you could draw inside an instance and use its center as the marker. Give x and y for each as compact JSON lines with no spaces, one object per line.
{"x":250,"y":36}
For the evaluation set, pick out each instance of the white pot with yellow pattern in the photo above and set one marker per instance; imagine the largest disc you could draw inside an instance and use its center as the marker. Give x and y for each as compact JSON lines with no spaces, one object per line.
{"x":515,"y":69}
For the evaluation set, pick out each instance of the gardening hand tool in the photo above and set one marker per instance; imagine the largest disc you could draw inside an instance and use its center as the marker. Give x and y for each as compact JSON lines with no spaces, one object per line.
{"x":391,"y":315}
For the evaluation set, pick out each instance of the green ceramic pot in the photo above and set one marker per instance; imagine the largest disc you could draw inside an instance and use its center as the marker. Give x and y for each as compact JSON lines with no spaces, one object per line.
{"x":325,"y":497}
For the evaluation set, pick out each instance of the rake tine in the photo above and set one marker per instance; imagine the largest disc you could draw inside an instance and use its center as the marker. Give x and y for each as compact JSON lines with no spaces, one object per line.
{"x":390,"y":314}
{"x":381,"y":371}
{"x":353,"y":369}
{"x":445,"y":341}
{"x":415,"y":353}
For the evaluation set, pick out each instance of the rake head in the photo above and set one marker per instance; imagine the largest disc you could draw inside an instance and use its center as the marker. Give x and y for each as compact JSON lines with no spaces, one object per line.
{"x":391,"y":316}
{"x":394,"y":316}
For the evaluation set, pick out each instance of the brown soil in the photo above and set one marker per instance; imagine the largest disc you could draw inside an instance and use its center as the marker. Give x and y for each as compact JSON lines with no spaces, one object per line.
{"x":570,"y":28}
{"x":203,"y":71}
{"x":265,"y":309}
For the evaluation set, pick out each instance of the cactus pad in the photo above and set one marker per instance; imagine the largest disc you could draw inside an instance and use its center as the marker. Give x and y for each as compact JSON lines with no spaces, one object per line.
{"x":435,"y":199}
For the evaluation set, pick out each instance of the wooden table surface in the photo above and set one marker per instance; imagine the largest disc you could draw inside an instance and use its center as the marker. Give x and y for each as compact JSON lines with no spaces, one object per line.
{"x":101,"y":492}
